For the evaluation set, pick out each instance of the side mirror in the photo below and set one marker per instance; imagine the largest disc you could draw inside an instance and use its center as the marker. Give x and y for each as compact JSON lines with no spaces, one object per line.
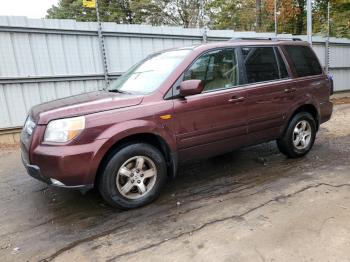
{"x":191,"y":87}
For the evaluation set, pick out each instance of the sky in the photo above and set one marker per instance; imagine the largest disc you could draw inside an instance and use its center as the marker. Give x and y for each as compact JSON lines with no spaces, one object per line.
{"x":29,"y":8}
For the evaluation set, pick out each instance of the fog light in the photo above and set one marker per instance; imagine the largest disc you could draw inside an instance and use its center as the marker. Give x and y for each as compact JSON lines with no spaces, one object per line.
{"x":56,"y":182}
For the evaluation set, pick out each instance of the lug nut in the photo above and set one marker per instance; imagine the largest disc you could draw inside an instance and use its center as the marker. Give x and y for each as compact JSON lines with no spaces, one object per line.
{"x":132,"y":181}
{"x":139,"y":181}
{"x":131,"y":174}
{"x":141,"y":175}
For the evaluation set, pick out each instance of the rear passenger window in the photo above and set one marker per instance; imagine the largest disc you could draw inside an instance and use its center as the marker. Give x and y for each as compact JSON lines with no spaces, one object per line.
{"x":304,"y":61}
{"x":260,"y":64}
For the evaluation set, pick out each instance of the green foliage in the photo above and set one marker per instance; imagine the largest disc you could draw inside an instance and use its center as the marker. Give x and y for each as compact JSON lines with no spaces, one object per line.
{"x":154,"y":12}
{"x":238,"y":15}
{"x":340,"y":25}
{"x":110,"y":11}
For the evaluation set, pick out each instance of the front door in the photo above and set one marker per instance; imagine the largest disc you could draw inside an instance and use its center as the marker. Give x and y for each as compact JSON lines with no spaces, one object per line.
{"x":214,"y":121}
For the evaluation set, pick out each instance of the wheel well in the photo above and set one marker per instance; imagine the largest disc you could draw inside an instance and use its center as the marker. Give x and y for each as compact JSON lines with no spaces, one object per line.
{"x":148,"y":138}
{"x":310,"y":109}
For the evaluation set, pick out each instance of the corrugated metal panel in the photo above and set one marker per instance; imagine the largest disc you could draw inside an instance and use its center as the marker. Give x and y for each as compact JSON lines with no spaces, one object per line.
{"x":341,"y":78}
{"x":321,"y":52}
{"x":15,"y":103}
{"x":340,"y":56}
{"x":5,"y":120}
{"x":46,"y":59}
{"x":17,"y":99}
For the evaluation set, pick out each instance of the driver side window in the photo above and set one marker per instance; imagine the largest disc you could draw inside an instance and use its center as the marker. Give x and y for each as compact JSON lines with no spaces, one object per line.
{"x":218,"y":69}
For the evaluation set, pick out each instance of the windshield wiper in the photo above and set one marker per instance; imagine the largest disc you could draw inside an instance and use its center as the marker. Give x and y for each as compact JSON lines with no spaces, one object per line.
{"x":119,"y":91}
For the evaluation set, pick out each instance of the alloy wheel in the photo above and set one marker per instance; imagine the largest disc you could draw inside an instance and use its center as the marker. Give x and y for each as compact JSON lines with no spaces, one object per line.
{"x":302,"y":135}
{"x":136,"y":177}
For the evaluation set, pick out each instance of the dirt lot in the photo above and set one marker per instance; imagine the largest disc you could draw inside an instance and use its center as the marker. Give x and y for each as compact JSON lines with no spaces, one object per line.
{"x":250,"y":205}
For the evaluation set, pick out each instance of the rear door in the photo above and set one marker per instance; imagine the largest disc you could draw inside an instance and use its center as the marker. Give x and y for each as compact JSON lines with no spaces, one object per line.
{"x":270,"y":92}
{"x":309,"y":79}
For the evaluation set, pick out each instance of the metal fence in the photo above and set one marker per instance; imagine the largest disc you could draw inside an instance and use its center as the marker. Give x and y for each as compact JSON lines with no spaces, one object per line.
{"x":46,"y":59}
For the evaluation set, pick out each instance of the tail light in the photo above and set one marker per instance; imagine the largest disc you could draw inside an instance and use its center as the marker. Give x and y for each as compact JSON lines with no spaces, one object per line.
{"x":331,"y":84}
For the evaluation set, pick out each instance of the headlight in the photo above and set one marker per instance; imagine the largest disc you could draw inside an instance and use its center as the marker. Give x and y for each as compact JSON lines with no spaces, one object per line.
{"x":64,"y":130}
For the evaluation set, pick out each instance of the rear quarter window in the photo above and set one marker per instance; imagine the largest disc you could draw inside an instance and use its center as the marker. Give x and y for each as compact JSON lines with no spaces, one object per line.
{"x":304,"y":60}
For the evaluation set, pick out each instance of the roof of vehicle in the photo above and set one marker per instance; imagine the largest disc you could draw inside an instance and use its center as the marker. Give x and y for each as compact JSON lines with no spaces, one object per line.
{"x":252,"y":42}
{"x":240,"y":42}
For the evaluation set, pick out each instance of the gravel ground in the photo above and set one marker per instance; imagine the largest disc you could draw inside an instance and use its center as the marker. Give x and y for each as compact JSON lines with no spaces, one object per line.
{"x":249,"y":205}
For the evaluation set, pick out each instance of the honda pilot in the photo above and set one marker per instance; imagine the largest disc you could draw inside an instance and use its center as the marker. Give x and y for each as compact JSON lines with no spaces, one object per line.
{"x":174,"y":106}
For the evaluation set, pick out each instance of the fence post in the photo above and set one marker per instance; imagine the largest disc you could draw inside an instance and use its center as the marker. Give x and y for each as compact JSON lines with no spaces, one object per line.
{"x":102,"y":47}
{"x":309,"y":21}
{"x":327,"y":55}
{"x":327,"y":40}
{"x":205,"y":34}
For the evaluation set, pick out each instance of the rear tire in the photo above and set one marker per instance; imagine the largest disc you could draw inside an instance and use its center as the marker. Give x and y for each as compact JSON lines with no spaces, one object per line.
{"x":299,"y":136}
{"x":133,"y":177}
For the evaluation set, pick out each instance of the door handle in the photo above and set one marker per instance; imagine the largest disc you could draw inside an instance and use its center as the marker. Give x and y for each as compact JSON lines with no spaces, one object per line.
{"x":236,"y":99}
{"x":290,"y":90}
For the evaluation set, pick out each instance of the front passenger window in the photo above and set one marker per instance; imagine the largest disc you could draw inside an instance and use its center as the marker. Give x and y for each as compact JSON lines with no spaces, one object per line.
{"x":218,"y":69}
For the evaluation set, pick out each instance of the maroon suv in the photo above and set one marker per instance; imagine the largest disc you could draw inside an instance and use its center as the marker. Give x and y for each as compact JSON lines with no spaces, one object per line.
{"x":177,"y":105}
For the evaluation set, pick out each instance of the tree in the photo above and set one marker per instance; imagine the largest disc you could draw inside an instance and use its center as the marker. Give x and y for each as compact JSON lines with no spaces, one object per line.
{"x":301,"y":14}
{"x":120,"y":11}
{"x":239,"y":15}
{"x":286,"y":17}
{"x":184,"y":13}
{"x":340,"y":17}
{"x":258,"y":15}
{"x":340,"y":26}
{"x":156,"y":12}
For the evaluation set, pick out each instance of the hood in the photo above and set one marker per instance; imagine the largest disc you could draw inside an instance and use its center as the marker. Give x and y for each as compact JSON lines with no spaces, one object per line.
{"x":82,"y":104}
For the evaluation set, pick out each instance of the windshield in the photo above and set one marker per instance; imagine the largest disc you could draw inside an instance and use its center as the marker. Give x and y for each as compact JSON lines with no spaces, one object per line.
{"x":146,"y":76}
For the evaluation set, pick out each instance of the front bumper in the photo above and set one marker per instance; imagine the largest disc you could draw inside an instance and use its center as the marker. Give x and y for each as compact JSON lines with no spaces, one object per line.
{"x":34,"y":171}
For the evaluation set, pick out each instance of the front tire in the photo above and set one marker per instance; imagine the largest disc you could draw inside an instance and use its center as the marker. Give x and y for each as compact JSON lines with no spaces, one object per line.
{"x":299,"y":136}
{"x":133,"y":177}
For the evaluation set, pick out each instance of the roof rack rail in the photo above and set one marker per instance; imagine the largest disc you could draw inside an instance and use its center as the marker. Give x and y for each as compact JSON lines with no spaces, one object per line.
{"x":289,"y":39}
{"x":265,"y":38}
